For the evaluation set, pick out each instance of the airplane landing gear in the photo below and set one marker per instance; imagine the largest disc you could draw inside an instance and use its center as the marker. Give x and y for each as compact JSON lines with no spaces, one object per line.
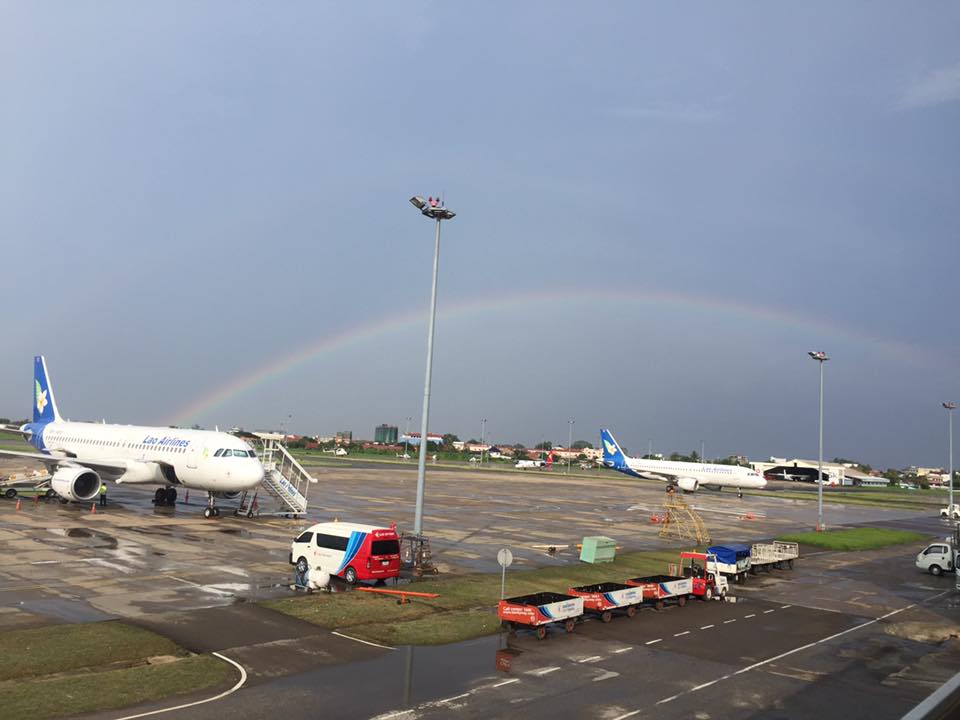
{"x":739,"y":493}
{"x":165,"y":496}
{"x":211,"y":510}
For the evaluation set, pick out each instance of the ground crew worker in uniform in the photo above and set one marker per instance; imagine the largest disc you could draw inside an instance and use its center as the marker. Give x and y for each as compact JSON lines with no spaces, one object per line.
{"x":103,"y":494}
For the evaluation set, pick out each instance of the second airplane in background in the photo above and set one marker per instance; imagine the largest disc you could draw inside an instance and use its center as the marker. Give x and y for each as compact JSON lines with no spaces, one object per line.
{"x":685,"y":475}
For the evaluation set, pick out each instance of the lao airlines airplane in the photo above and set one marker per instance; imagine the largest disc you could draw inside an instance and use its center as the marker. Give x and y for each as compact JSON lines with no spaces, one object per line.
{"x":685,"y":475}
{"x":80,"y":455}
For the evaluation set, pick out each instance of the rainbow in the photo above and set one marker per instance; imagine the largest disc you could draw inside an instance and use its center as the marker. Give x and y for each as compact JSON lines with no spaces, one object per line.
{"x":350,"y":337}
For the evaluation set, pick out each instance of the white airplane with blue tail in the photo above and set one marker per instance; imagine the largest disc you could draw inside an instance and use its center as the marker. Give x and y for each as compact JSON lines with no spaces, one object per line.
{"x":687,"y":476}
{"x":81,"y":455}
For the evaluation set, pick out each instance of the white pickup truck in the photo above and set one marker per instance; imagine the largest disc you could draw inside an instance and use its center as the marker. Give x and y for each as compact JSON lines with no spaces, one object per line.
{"x":939,"y":557}
{"x":951,"y":512}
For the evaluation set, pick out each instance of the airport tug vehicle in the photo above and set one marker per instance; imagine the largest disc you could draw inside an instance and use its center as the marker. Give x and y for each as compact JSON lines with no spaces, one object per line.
{"x":702,"y":570}
{"x":539,"y":610}
{"x":603,"y":598}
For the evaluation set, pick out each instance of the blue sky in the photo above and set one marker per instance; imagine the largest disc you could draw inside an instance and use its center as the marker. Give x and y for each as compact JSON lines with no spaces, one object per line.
{"x":194,"y":191}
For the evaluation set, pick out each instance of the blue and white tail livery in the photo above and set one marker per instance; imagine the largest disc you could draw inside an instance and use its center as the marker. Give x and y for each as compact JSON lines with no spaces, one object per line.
{"x":44,"y":404}
{"x":613,"y":456}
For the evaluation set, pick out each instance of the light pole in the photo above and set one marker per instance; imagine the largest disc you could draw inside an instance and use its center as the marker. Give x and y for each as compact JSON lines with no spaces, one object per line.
{"x":483,"y":430}
{"x":406,"y":438}
{"x":434,"y":209}
{"x":821,"y":357}
{"x":950,"y":407}
{"x":569,"y":442}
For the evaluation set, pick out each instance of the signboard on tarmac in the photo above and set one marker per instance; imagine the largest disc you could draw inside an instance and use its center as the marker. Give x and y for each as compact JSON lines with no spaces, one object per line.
{"x":505,"y":557}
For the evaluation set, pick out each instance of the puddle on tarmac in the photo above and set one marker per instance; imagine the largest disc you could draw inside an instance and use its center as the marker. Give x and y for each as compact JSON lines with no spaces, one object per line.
{"x":100,"y":540}
{"x":235,"y":531}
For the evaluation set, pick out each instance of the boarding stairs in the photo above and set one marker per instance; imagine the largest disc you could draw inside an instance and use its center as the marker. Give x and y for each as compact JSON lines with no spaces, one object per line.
{"x":285,"y":483}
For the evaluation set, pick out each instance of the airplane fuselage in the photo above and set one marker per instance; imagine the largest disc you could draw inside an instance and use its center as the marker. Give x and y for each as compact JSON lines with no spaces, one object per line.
{"x":703,"y":473}
{"x":201,"y":459}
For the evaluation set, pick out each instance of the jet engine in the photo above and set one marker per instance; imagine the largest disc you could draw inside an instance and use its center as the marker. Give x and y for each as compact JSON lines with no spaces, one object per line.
{"x":76,"y":483}
{"x":688,"y":484}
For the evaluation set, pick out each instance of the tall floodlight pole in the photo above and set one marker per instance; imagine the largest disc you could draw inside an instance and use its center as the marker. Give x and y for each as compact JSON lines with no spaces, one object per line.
{"x":821,"y":357}
{"x":483,"y":430}
{"x":406,"y":438}
{"x":950,"y":407}
{"x":434,"y":209}
{"x":569,"y":442}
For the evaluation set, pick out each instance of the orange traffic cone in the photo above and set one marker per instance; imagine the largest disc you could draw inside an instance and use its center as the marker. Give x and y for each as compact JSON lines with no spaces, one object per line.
{"x":93,"y":508}
{"x":18,"y":504}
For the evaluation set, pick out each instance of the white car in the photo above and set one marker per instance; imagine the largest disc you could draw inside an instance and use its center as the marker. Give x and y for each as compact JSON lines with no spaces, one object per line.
{"x":938,"y":558}
{"x":951,"y":511}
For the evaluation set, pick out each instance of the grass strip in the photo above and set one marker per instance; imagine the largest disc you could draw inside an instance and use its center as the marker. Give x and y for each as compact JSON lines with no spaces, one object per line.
{"x":465,"y":608}
{"x":855,"y":538}
{"x":61,"y":648}
{"x":40,"y":698}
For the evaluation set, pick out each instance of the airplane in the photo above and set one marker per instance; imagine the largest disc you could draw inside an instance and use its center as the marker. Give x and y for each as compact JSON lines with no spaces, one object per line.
{"x":80,"y":455}
{"x":685,"y":475}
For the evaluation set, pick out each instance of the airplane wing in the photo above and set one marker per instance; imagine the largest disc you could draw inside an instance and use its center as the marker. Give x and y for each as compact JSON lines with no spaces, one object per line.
{"x":13,"y":429}
{"x":54,"y":461}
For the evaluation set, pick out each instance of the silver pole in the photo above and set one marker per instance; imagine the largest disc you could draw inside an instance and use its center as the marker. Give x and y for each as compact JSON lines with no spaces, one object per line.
{"x":483,"y":429}
{"x":422,"y":462}
{"x":569,"y":442}
{"x":820,"y":460}
{"x":406,"y":439}
{"x":950,"y":477}
{"x":503,"y":581}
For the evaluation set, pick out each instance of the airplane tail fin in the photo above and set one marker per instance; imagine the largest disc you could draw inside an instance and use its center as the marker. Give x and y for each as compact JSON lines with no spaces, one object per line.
{"x":613,"y":456}
{"x":44,"y":404}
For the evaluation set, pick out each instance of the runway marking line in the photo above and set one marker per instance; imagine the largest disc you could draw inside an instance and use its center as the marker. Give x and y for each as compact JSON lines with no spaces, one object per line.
{"x":455,"y":697}
{"x":784,"y":607}
{"x":706,"y":627}
{"x":685,"y":632}
{"x":356,"y":639}
{"x":727,"y":622}
{"x":240,"y":682}
{"x":749,"y":616}
{"x":592,"y":658}
{"x":622,"y":650}
{"x":651,"y":642}
{"x":540,"y":672}
{"x":767,"y":612}
{"x":606,"y":676}
{"x":506,"y":682}
{"x":627,"y":715}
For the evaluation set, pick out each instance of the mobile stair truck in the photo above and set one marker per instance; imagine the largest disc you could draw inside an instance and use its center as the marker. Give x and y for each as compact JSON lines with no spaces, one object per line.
{"x":764,"y":556}
{"x":539,"y":610}
{"x":708,"y":582}
{"x":733,"y":560}
{"x":658,"y":589}
{"x":605,"y":597}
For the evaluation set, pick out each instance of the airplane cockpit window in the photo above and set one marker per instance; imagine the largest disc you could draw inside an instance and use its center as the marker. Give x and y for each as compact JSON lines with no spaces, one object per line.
{"x":218,"y":453}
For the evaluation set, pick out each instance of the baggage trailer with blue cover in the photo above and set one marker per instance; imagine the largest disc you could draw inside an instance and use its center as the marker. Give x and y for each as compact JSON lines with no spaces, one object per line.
{"x":539,"y":610}
{"x":733,"y":560}
{"x":604,"y":598}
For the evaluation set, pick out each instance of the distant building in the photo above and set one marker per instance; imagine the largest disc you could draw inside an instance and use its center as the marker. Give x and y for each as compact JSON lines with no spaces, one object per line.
{"x":414,"y":438}
{"x":344,"y":437}
{"x":386,"y":434}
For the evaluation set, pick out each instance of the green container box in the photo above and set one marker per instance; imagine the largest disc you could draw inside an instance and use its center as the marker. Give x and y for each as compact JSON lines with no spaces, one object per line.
{"x":598,"y":549}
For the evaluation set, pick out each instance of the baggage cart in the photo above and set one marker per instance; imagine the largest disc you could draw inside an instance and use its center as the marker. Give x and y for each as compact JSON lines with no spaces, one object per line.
{"x":604,"y":598}
{"x":773,"y":555}
{"x":539,"y":610}
{"x":657,"y":589}
{"x":733,"y":560}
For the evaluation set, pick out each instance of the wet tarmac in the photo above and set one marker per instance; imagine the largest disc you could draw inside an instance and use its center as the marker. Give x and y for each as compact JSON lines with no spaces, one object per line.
{"x":196,"y":581}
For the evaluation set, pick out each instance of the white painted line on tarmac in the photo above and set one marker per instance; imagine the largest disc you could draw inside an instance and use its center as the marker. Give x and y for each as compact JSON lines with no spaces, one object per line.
{"x":666,"y":700}
{"x":205,"y":588}
{"x":685,"y":632}
{"x":540,"y":672}
{"x":240,"y":682}
{"x":592,"y":658}
{"x":651,"y":642}
{"x":784,"y":607}
{"x":706,"y":627}
{"x":749,"y":616}
{"x":365,"y":642}
{"x":767,"y":612}
{"x":606,"y":676}
{"x":627,"y":715}
{"x":396,"y":714}
{"x":622,"y":650}
{"x":455,"y":697}
{"x":506,"y":682}
{"x":727,"y":622}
